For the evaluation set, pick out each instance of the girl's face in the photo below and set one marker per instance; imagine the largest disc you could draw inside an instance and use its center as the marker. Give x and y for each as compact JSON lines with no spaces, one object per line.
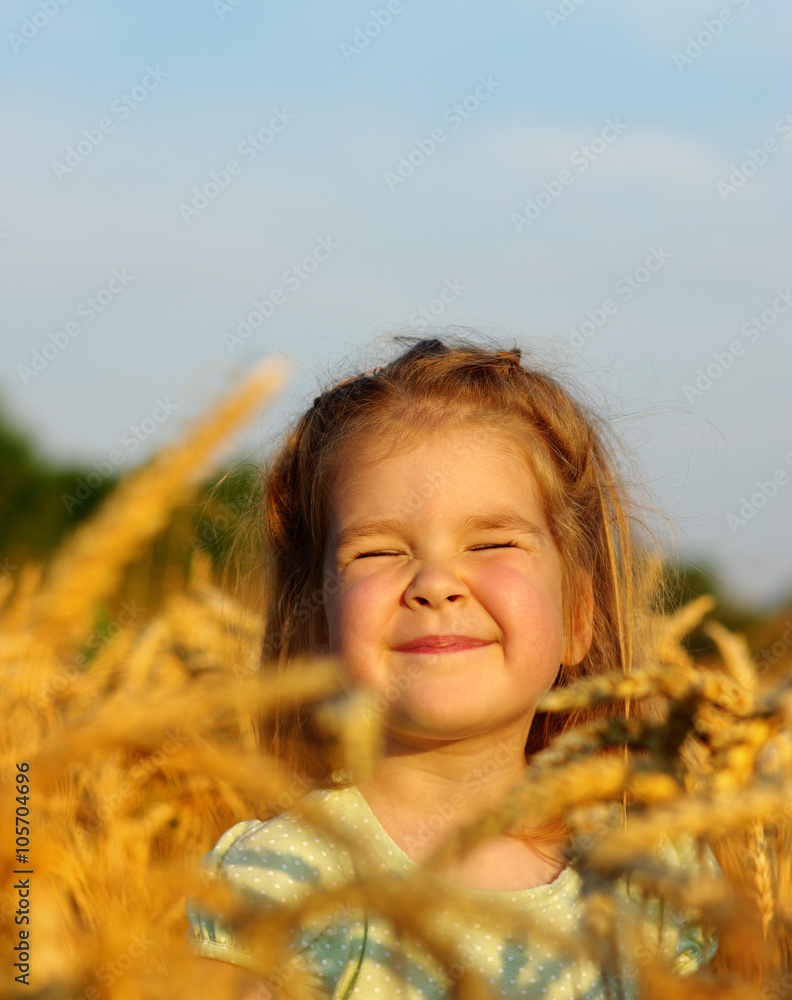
{"x":444,"y":584}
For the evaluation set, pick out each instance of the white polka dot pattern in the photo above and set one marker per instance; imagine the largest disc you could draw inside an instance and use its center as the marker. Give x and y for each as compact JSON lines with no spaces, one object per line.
{"x":354,"y":954}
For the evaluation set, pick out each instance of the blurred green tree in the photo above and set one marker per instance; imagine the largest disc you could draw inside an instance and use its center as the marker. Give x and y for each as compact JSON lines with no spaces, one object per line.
{"x":34,"y":511}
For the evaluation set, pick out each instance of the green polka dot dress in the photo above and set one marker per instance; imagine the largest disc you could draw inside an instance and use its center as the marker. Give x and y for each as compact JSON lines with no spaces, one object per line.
{"x":360,"y":954}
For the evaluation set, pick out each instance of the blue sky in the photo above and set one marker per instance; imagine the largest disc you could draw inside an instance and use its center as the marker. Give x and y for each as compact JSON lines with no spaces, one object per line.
{"x":686,"y":202}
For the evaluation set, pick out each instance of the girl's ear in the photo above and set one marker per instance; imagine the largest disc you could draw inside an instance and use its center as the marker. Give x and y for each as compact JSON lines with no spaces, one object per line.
{"x":578,"y":643}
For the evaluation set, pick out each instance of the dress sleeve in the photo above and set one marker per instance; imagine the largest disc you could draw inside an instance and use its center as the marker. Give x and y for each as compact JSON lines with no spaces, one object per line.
{"x":277,"y":864}
{"x":211,"y":937}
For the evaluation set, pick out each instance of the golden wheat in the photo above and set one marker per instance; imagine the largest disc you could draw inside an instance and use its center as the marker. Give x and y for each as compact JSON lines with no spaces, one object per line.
{"x":142,"y":755}
{"x":81,"y":574}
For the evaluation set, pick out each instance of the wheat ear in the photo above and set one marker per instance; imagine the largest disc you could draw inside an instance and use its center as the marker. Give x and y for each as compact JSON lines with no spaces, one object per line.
{"x":763,"y":881}
{"x":88,"y":567}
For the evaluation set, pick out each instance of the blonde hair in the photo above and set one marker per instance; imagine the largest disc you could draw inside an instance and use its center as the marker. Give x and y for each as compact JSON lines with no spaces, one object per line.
{"x":430,"y":386}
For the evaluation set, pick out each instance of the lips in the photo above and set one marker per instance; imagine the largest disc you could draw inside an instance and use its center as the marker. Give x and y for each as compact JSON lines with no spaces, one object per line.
{"x":441,"y":644}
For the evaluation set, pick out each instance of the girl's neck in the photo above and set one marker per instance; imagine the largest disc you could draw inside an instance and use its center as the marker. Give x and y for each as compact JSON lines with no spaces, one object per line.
{"x":472,"y":773}
{"x":422,"y":799}
{"x":439,"y":791}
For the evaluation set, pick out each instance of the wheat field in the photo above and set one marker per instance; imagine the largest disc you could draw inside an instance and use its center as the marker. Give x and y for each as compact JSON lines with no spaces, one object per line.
{"x":128,"y":749}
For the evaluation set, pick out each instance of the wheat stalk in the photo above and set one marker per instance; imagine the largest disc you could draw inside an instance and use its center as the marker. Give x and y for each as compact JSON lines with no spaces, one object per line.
{"x":89,"y":565}
{"x":144,"y":756}
{"x":763,"y":880}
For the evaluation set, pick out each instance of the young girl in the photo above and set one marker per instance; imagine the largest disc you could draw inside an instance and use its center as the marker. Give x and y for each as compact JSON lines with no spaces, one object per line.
{"x":452,"y":527}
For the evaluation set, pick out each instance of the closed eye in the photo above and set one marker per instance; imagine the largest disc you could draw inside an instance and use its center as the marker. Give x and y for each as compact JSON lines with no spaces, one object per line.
{"x":475,"y":548}
{"x":494,"y":545}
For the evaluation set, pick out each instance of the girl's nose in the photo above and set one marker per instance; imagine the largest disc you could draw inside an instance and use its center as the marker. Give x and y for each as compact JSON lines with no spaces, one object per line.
{"x":432,"y":586}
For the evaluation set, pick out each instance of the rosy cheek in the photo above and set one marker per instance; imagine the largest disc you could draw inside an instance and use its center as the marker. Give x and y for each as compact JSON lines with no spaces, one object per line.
{"x":355,"y":617}
{"x":532,"y":603}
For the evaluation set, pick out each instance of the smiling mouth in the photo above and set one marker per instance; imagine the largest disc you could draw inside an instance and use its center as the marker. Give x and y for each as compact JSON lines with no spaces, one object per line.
{"x":442,"y":644}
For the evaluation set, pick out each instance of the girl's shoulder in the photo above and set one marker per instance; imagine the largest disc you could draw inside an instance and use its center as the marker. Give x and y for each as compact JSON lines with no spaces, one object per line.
{"x":290,"y":848}
{"x":277,"y":863}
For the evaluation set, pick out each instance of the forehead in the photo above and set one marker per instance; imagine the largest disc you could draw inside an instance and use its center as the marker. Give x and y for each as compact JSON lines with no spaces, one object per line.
{"x":451,"y":446}
{"x":468,"y":469}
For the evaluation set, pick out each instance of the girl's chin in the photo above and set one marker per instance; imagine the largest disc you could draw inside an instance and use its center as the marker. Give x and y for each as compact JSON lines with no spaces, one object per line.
{"x":428,"y":729}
